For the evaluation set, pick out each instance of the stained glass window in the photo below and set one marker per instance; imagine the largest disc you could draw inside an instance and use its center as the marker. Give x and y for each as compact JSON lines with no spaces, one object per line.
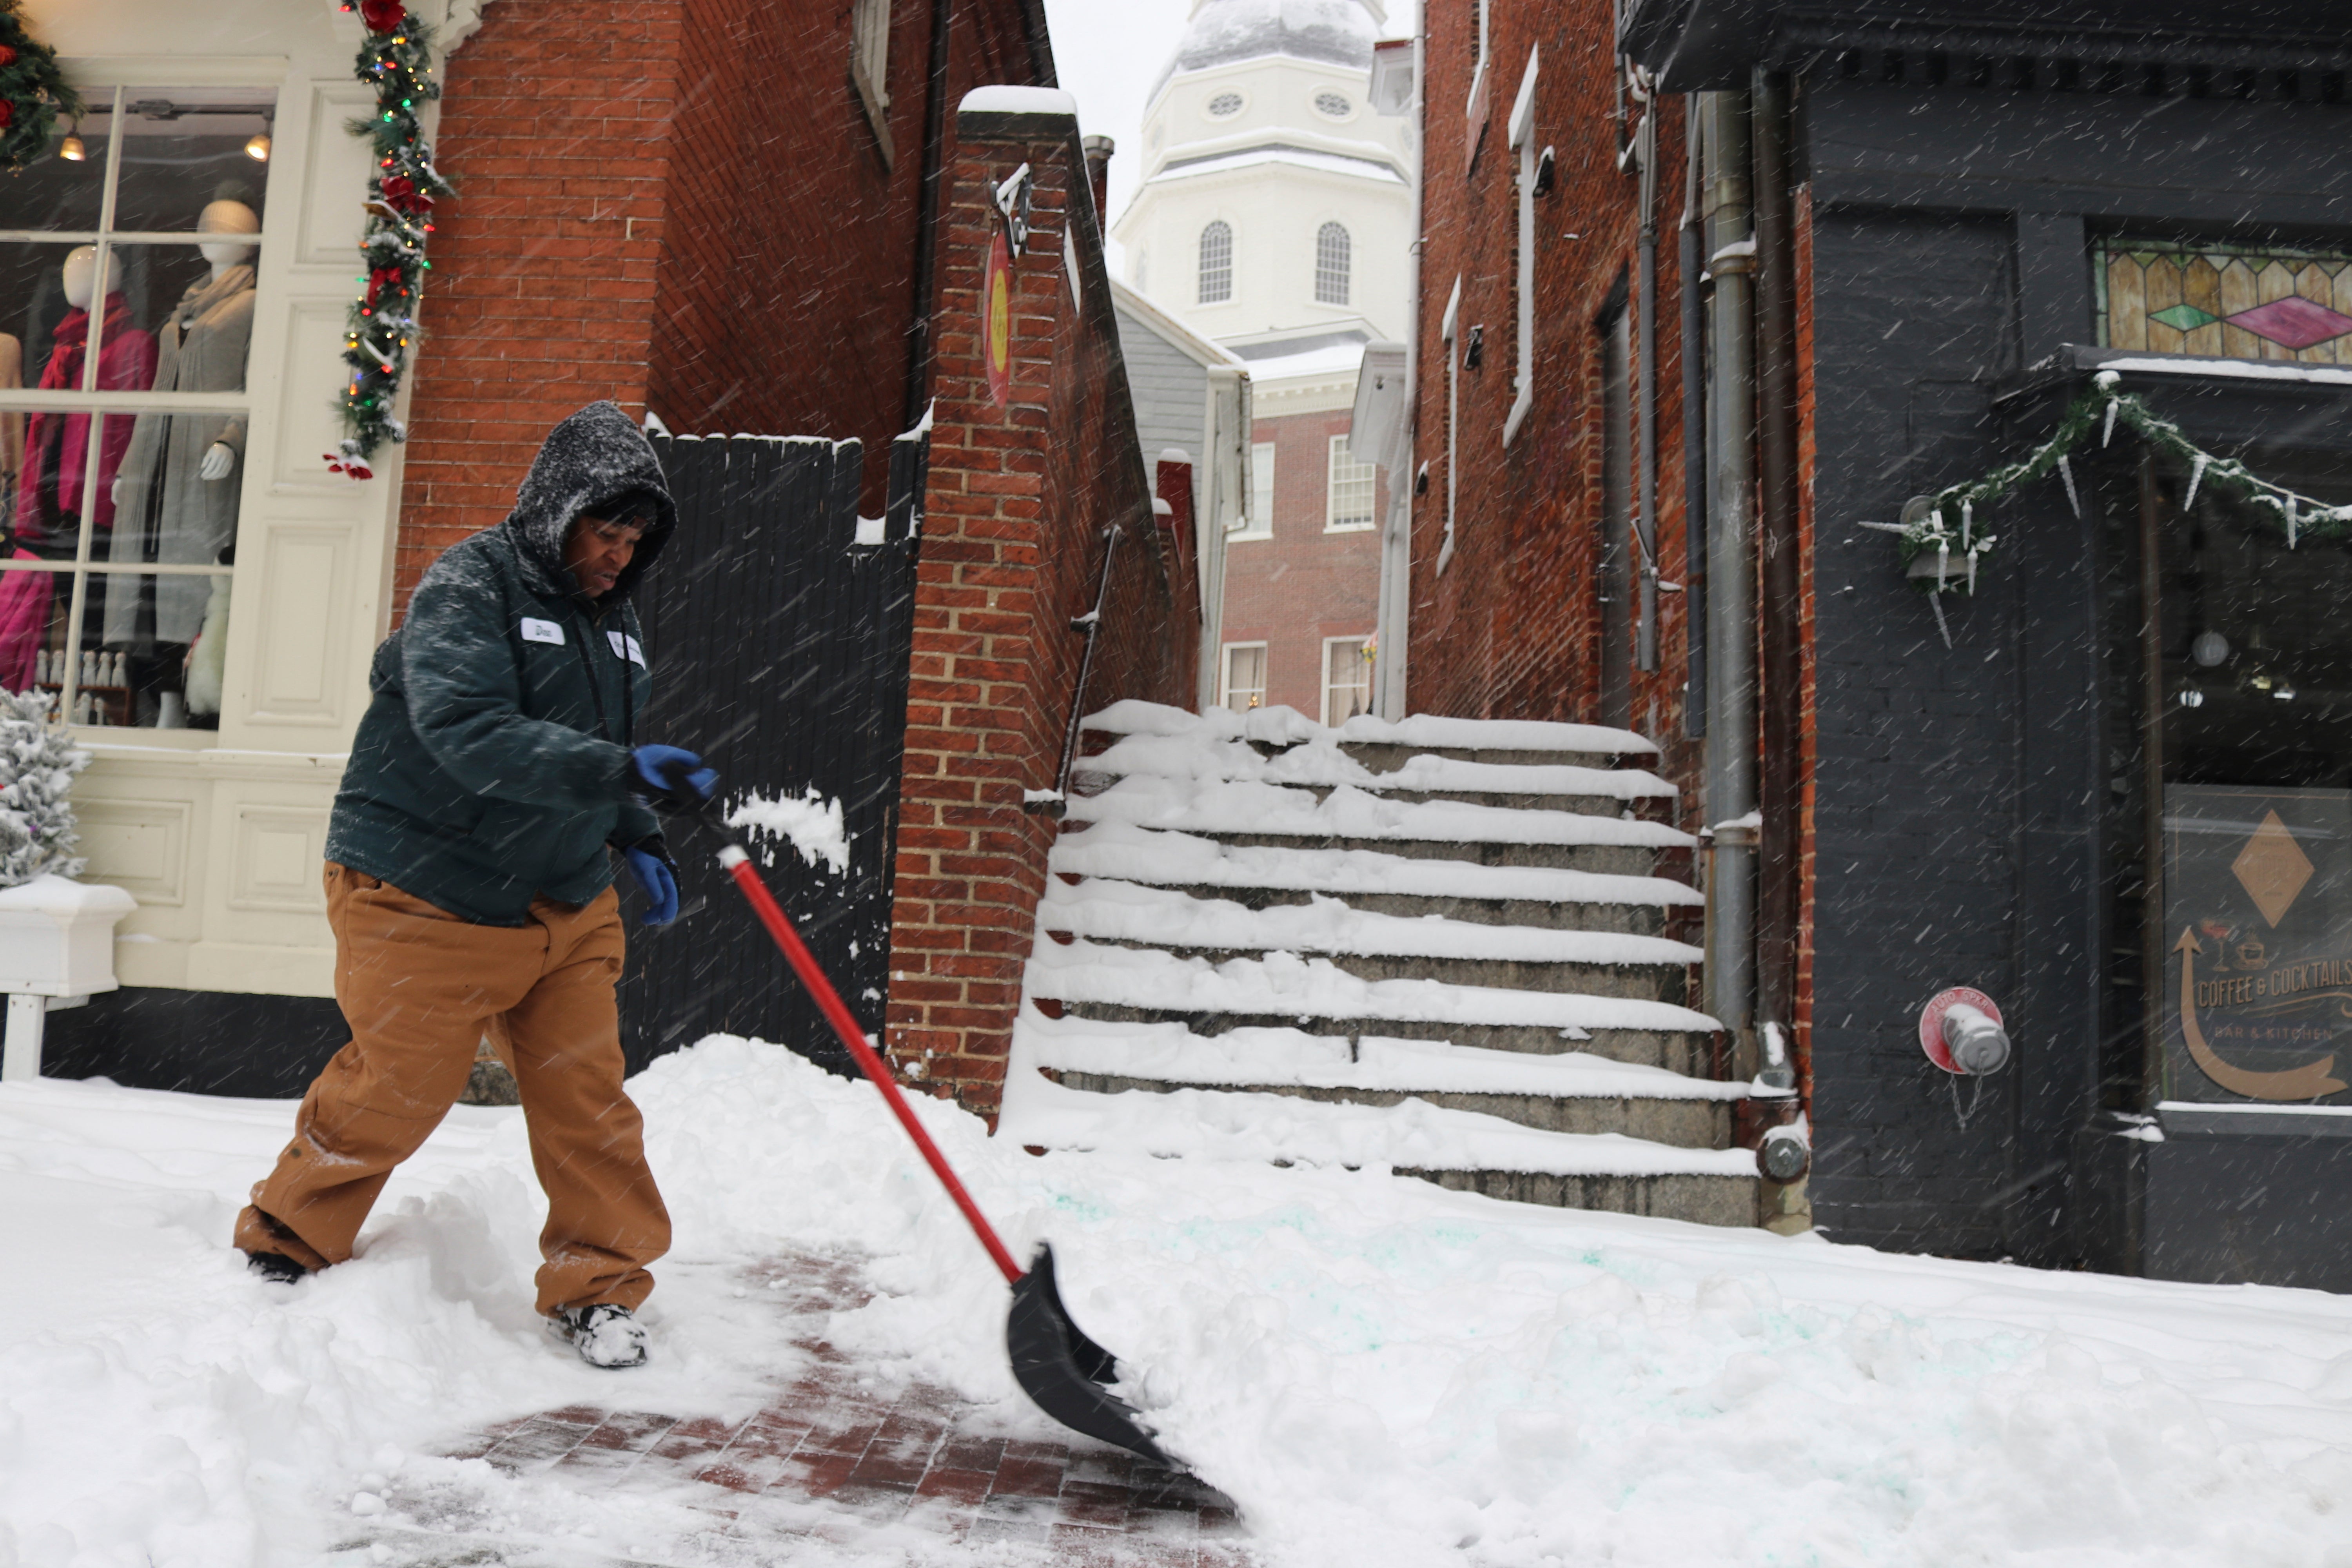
{"x":2226,"y":302}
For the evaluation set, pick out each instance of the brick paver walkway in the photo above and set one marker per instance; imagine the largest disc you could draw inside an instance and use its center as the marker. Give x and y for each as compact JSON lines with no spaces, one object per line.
{"x":827,"y":1468}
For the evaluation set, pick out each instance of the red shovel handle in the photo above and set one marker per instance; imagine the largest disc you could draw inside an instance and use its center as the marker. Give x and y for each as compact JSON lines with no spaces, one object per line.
{"x":845,"y":1023}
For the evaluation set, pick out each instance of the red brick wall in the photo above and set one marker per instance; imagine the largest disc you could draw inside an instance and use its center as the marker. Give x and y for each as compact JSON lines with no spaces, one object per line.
{"x":1304,"y":585}
{"x":674,"y":202}
{"x":541,"y":293}
{"x":1512,"y":628}
{"x":1012,"y":550}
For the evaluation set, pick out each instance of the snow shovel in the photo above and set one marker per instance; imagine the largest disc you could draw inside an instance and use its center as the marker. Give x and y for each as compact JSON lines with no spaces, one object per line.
{"x":1054,"y":1363}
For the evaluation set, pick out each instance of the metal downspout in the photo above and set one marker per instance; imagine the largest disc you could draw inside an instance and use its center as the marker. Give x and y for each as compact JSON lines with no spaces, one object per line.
{"x":927,"y":238}
{"x":1692,"y":243}
{"x":1731,"y":582}
{"x":1779,"y":600}
{"x":1396,"y":537}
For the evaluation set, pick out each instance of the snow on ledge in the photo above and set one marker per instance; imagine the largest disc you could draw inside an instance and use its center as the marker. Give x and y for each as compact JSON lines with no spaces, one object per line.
{"x":1148,"y":801}
{"x":1018,"y":100}
{"x":1280,"y":726}
{"x":1110,"y":910}
{"x":1259,"y":1128}
{"x":1264,"y":1057}
{"x":1285,"y":985}
{"x":1184,"y":860}
{"x":2241,"y":369}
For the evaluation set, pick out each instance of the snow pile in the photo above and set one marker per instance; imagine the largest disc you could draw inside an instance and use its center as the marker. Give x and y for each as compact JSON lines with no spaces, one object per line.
{"x":1207,"y":806}
{"x":1279,"y":726}
{"x":1381,"y":1373}
{"x":813,"y":823}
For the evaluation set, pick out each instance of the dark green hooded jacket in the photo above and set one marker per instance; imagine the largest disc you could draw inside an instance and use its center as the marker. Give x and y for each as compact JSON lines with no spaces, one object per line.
{"x":491,"y":765}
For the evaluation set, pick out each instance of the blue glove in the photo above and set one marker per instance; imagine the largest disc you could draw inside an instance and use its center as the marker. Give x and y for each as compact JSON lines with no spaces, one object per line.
{"x":659,"y":877}
{"x":671,"y":778}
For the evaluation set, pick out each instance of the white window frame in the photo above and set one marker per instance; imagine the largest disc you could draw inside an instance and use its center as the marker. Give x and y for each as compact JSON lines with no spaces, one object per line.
{"x":1523,"y":143}
{"x":1345,"y":272}
{"x":1340,"y":455}
{"x":1331,"y":718}
{"x":1484,"y":57}
{"x":1200,"y":272}
{"x":1447,"y":335}
{"x":104,"y":407}
{"x":1258,"y":521}
{"x":869,"y":66}
{"x":1225,"y":652}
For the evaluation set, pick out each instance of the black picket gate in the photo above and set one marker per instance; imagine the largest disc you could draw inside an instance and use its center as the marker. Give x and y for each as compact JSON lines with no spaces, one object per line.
{"x":779,"y":645}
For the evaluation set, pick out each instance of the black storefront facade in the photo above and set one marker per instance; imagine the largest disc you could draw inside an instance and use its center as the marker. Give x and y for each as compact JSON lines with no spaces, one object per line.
{"x":2119,"y":803}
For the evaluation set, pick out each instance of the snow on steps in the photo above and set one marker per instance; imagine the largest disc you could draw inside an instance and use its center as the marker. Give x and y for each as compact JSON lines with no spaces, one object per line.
{"x":1371,"y":880}
{"x":1457,"y":1149}
{"x":1270,"y":939}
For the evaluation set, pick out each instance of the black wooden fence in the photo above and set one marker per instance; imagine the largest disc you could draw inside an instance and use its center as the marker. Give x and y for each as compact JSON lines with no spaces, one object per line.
{"x":780,"y":646}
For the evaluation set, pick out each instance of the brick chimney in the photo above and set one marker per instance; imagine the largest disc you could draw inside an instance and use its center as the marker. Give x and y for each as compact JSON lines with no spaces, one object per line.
{"x":1098,"y":149}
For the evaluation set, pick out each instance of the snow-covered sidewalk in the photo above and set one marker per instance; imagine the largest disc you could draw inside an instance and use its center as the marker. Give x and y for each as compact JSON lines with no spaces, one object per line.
{"x":1377,"y":1372}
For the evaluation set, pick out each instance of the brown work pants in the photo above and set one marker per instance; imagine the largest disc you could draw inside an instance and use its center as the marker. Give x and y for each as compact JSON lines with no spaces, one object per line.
{"x":420,"y":988}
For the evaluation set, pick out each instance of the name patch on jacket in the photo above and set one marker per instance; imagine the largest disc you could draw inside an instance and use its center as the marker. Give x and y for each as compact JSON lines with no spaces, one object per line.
{"x":536,"y":630}
{"x":627,"y":647}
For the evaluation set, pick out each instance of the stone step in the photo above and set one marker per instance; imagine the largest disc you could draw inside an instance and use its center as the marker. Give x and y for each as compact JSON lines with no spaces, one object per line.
{"x":1689,"y":1053}
{"x":1375,"y":880}
{"x":1389,"y":756}
{"x":1369,"y":945}
{"x":1682,"y":1123}
{"x":1601,"y":859}
{"x":1697,"y":1199}
{"x":1660,"y":982}
{"x":1464,"y":1150}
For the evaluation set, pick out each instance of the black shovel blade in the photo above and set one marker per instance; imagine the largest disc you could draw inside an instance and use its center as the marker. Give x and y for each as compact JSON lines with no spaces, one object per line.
{"x":1062,"y":1370}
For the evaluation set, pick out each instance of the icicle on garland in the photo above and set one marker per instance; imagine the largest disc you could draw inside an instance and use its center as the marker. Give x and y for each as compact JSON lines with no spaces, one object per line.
{"x":33,"y":93}
{"x":396,"y":60}
{"x":1945,"y":524}
{"x":38,"y":760}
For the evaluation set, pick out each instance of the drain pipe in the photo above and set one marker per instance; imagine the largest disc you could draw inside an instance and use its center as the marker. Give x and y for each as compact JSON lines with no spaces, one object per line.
{"x":1779,"y":601}
{"x":1646,"y":140}
{"x":1692,"y":255}
{"x":1395,"y":604}
{"x":919,"y":346}
{"x":1731,"y":581}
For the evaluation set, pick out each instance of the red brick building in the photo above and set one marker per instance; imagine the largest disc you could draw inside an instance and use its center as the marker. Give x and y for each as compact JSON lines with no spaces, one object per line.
{"x":1302,"y":582}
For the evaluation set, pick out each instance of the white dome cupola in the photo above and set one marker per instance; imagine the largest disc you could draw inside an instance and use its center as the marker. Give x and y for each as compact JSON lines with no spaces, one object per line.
{"x":1274,"y":202}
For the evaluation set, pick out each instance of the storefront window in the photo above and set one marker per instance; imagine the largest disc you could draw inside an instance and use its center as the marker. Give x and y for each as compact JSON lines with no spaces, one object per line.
{"x":126,"y":273}
{"x":2229,"y":763}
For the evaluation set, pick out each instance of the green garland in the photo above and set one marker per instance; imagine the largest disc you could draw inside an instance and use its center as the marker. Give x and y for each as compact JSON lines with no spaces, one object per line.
{"x":33,"y":93}
{"x":1944,"y":524}
{"x":396,"y":60}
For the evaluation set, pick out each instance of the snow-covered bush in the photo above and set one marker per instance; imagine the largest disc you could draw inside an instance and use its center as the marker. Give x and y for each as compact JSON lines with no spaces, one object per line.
{"x":37,"y":763}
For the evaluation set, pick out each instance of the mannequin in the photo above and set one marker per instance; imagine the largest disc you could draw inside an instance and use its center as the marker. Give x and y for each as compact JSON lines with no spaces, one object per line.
{"x":178,"y":488}
{"x":54,"y":457}
{"x":49,"y":483}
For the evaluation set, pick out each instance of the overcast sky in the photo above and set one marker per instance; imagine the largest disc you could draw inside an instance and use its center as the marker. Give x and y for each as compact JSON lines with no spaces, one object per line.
{"x":1108,"y":53}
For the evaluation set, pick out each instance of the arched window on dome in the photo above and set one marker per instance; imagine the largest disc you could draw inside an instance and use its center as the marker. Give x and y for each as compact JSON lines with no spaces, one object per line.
{"x":1216,"y":263}
{"x":1332,"y":249}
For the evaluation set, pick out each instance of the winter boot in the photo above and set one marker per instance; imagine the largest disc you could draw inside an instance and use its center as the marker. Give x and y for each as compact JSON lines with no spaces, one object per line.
{"x":605,"y":1335}
{"x":275,"y":1267}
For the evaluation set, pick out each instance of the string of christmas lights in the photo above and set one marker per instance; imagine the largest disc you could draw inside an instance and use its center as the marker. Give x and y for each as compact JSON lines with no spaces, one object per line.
{"x":1944,"y":524}
{"x":396,"y":61}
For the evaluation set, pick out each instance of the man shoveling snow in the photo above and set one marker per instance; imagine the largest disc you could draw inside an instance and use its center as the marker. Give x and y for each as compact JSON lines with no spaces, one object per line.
{"x":469,"y":872}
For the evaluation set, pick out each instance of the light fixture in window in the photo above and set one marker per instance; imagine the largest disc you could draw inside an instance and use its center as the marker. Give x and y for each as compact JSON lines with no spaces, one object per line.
{"x":256,"y":147}
{"x":72,"y":149}
{"x":1225,"y":104}
{"x":1334,"y":105}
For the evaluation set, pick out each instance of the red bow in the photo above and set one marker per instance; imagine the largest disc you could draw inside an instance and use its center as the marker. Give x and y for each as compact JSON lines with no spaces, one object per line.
{"x":400,"y":194}
{"x":382,"y":16}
